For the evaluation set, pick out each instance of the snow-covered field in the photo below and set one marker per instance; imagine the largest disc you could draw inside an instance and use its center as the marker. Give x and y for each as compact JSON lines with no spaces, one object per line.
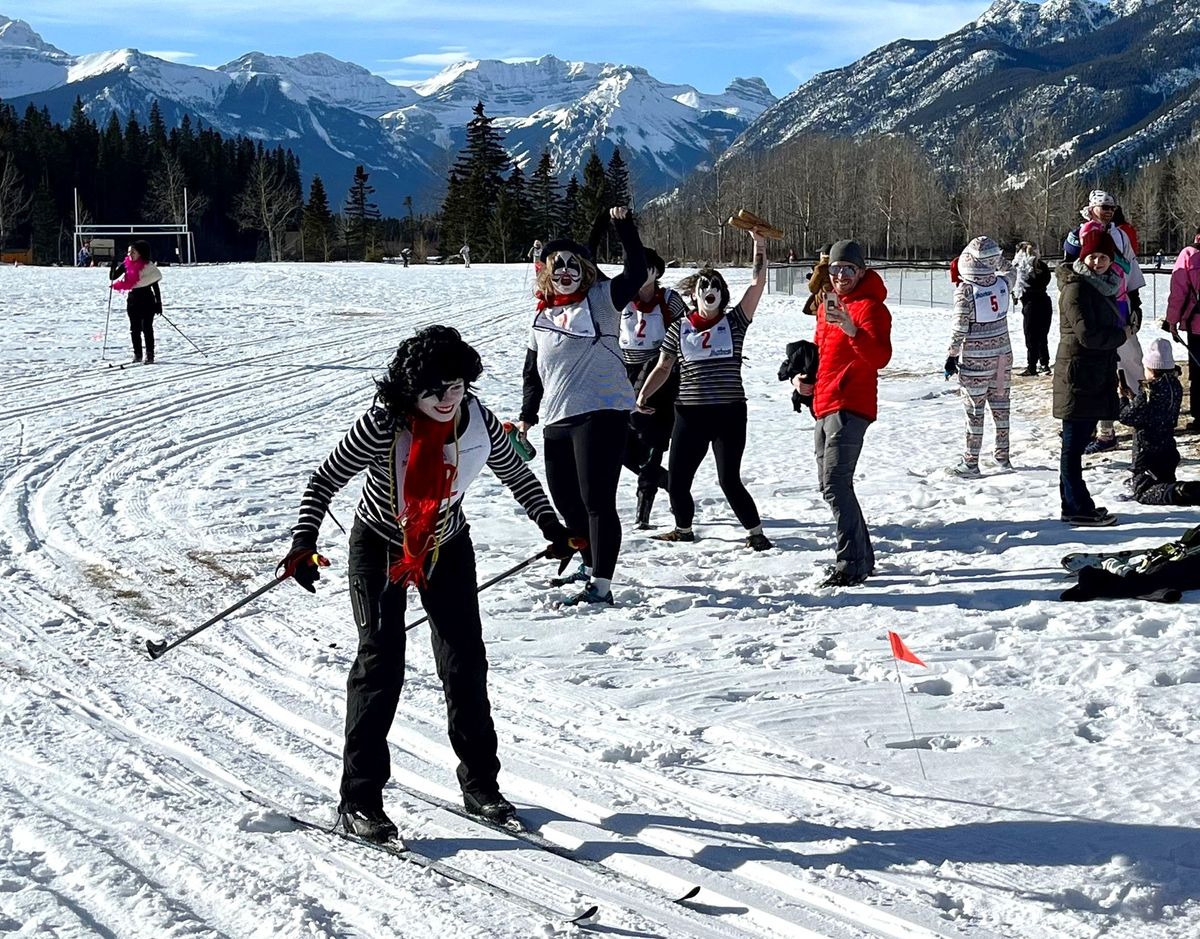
{"x":726,"y":725}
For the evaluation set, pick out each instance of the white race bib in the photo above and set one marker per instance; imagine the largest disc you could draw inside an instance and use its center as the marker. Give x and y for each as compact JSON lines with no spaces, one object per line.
{"x":713,"y":343}
{"x":573,"y":319}
{"x":991,"y":303}
{"x":642,"y":330}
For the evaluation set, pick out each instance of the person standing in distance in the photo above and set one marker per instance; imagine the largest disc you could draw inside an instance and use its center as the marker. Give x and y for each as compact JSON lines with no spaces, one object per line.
{"x":139,"y":276}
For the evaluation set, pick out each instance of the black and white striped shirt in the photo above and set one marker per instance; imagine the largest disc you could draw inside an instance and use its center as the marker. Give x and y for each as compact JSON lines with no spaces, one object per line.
{"x":710,"y":381}
{"x":369,"y":445}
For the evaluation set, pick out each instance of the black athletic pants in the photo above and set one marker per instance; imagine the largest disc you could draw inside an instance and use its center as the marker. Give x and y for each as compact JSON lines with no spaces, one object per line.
{"x":650,"y":434}
{"x":373,"y":688}
{"x":1193,"y":344}
{"x":583,"y":467}
{"x":141,"y":323}
{"x":697,"y":426}
{"x":1036,"y":315}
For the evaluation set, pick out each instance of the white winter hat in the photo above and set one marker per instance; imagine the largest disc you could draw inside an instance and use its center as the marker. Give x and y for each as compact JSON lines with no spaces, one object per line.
{"x":979,"y":259}
{"x":1098,"y":198}
{"x":1159,"y":356}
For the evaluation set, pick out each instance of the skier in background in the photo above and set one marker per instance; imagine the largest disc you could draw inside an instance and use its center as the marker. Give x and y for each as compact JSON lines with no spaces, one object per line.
{"x":465,"y":253}
{"x":1033,"y":280}
{"x":423,"y":441}
{"x":1183,"y":317}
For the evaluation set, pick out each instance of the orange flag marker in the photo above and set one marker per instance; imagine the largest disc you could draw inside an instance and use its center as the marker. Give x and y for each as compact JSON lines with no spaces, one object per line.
{"x":901,"y":651}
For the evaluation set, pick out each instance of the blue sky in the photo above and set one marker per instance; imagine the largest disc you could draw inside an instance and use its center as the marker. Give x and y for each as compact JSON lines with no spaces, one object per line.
{"x":705,"y":43}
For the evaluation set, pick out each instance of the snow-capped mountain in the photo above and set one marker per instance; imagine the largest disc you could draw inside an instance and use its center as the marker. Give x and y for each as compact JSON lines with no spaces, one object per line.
{"x":336,"y":114}
{"x":27,"y":63}
{"x":1120,"y":81}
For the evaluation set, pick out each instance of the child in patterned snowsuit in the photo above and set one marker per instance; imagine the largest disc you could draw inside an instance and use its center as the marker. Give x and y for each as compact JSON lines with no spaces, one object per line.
{"x":981,"y":304}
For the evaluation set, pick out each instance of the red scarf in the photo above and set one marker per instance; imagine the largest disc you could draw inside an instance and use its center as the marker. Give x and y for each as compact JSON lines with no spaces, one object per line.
{"x":558,"y":299}
{"x":658,"y":300}
{"x":702,"y":325}
{"x":428,"y":482}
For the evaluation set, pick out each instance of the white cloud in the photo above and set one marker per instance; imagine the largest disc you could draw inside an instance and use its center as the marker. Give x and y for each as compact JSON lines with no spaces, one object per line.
{"x":170,"y":55}
{"x":435,"y":59}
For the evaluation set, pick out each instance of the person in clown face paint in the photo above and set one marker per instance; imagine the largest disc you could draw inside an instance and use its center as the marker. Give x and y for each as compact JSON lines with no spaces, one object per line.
{"x":422,"y":443}
{"x":574,"y":371}
{"x":711,"y":406}
{"x":644,"y":325}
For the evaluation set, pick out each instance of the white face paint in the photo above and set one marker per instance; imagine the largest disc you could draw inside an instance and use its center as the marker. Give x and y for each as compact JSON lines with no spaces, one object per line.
{"x":566,"y":271}
{"x":442,"y":403}
{"x":708,"y":296}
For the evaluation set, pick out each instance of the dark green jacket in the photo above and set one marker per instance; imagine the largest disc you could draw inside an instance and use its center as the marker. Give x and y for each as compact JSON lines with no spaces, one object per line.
{"x":1085,"y":367}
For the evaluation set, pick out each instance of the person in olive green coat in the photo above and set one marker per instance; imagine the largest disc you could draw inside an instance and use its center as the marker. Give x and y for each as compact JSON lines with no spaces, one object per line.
{"x":1085,"y":367}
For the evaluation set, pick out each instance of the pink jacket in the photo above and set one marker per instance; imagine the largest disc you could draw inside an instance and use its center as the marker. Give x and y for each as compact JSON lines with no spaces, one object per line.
{"x":1184,"y":300}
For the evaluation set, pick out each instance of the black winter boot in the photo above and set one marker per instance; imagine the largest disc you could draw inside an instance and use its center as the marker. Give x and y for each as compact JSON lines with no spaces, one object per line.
{"x":490,"y":806}
{"x":645,"y":502}
{"x":368,"y":824}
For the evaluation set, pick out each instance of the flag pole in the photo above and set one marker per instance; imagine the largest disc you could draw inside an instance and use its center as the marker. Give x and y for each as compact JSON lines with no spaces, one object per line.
{"x":904,"y":698}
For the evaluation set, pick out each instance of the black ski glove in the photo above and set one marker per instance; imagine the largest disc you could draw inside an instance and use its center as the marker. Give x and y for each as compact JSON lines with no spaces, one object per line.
{"x":303,"y":564}
{"x":951,"y":366}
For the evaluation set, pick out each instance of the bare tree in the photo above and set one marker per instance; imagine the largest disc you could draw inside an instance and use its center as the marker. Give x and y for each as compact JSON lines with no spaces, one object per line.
{"x":165,"y":196}
{"x":14,"y":202}
{"x":267,"y":204}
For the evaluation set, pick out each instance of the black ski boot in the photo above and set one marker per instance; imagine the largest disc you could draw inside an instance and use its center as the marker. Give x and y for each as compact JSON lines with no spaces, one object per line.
{"x":759,"y":542}
{"x":368,"y":824}
{"x":645,"y":501}
{"x":490,"y":806}
{"x":675,"y":535}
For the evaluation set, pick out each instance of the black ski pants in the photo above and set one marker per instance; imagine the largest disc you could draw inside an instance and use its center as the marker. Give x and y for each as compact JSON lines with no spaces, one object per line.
{"x":650,"y":434}
{"x":583,"y":468}
{"x":1193,"y":371}
{"x":1036,"y":313}
{"x":141,"y":323}
{"x":696,"y":427}
{"x":373,"y":687}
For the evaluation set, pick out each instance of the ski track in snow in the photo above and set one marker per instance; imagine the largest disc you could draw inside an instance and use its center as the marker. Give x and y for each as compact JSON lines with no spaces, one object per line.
{"x":728,"y":724}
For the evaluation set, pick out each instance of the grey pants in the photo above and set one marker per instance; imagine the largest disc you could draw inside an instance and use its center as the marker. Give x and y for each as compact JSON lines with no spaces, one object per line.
{"x":839,"y":440}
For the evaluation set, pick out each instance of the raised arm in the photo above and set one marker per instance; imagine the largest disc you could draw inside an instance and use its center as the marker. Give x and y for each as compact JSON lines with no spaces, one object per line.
{"x":758,"y":278}
{"x":626,"y":285}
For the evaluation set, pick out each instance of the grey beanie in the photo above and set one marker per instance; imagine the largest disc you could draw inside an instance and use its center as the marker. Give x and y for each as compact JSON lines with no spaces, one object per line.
{"x":848,"y":252}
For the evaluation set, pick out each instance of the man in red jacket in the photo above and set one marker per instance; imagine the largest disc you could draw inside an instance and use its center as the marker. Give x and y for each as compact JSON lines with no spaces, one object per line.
{"x":854,"y":336}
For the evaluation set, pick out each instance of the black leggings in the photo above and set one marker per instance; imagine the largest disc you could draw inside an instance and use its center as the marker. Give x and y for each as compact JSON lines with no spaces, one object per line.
{"x":696,"y":426}
{"x":373,"y":687}
{"x":1037,"y":314}
{"x":583,"y":467}
{"x":650,"y":434}
{"x":141,"y":323}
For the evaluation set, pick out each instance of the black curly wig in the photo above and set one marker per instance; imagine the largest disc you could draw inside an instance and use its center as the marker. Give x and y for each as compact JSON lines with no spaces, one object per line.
{"x":434,"y":356}
{"x":687,"y":286}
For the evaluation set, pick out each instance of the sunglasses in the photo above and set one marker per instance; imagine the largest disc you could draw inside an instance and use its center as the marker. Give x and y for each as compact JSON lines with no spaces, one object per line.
{"x":842,"y":270}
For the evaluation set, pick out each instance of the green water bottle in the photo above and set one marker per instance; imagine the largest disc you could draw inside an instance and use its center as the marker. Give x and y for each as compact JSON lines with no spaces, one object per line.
{"x":519,"y":441}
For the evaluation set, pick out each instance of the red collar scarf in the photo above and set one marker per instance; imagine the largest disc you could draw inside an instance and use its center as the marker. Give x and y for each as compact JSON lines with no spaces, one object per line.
{"x":428,"y":482}
{"x":702,"y":325}
{"x":558,"y":299}
{"x":658,"y":300}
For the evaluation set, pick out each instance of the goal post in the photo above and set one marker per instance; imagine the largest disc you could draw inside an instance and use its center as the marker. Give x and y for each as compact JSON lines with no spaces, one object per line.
{"x":85,"y":232}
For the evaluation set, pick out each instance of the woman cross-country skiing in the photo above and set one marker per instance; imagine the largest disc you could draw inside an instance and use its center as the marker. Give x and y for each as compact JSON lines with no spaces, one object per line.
{"x":573,"y":367}
{"x":711,"y":406}
{"x":139,"y":275}
{"x":423,"y":442}
{"x":644,"y":325}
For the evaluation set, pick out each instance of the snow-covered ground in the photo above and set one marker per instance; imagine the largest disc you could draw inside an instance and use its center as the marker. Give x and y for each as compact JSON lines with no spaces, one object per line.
{"x":727,"y":725}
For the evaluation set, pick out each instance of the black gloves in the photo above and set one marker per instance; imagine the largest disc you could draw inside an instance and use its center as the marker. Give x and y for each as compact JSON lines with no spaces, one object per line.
{"x":560,"y":539}
{"x":951,"y":366}
{"x":303,"y":564}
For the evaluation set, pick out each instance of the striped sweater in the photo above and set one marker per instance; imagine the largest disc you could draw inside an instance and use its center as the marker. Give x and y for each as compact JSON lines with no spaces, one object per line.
{"x":369,"y":445}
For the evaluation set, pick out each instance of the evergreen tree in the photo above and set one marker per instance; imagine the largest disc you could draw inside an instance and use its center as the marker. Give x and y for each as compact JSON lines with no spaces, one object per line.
{"x":157,"y":129}
{"x":317,"y":229}
{"x":479,"y":170}
{"x":545,"y":200}
{"x":593,"y":196}
{"x":570,"y":211}
{"x":616,"y":176}
{"x":46,"y":225}
{"x":361,"y":214}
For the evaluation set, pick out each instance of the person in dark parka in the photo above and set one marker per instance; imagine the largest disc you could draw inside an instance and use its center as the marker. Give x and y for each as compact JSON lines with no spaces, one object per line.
{"x":1085,"y":373}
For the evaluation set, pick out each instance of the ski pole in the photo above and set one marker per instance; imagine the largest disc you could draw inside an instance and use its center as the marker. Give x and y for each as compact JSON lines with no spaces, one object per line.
{"x":283,"y":572}
{"x":182,"y":333}
{"x":1183,"y":342}
{"x":107,"y":314}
